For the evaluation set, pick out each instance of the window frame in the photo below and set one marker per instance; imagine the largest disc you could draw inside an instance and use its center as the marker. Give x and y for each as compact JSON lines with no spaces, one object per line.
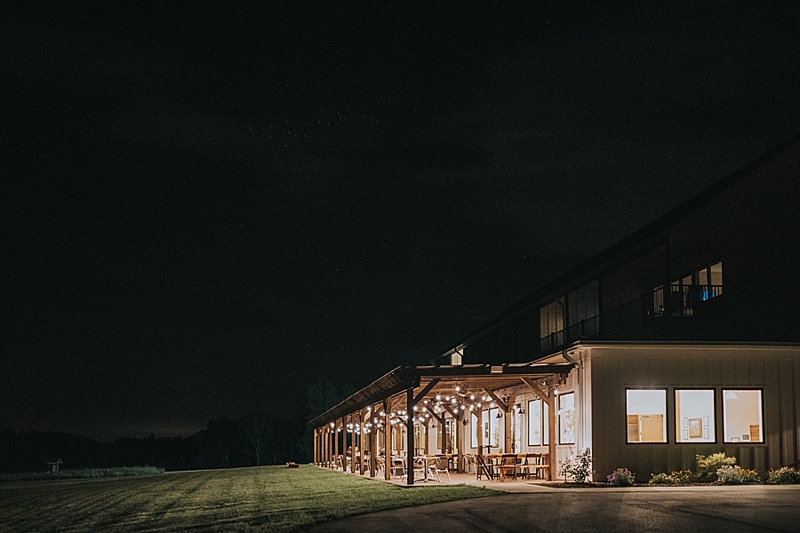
{"x":762,"y":414}
{"x":678,"y":423}
{"x":559,"y":432}
{"x":543,"y":423}
{"x":665,"y":425}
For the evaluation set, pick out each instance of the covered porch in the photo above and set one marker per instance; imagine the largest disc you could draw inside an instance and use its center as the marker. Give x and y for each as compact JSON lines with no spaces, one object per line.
{"x":413,"y":423}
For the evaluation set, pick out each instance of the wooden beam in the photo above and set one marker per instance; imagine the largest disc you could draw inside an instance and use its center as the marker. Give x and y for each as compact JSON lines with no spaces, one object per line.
{"x":426,"y":390}
{"x":497,"y":400}
{"x":437,"y":417}
{"x":537,"y":390}
{"x":449,"y":409}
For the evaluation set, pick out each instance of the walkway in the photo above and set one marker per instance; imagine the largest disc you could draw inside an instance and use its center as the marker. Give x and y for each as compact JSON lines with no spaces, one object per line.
{"x":741,"y":509}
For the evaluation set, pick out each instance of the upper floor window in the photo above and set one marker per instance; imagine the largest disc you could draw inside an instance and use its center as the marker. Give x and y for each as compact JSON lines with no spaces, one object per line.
{"x":688,"y":291}
{"x":551,"y":324}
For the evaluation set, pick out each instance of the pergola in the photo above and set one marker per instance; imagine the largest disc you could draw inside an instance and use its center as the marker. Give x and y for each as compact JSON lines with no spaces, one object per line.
{"x":419,"y":395}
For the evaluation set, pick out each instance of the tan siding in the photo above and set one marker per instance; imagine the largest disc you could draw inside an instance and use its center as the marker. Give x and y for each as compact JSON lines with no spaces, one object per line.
{"x":615,"y":369}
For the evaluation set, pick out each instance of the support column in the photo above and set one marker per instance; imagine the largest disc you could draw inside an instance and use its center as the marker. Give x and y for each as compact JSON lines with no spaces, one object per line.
{"x":509,"y":408}
{"x":410,"y":436}
{"x":387,"y":441}
{"x":551,"y":431}
{"x":361,"y":448}
{"x":373,"y":441}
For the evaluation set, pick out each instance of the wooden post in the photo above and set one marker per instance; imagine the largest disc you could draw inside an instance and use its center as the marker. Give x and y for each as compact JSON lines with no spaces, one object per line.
{"x":410,"y":436}
{"x":509,"y":442}
{"x":316,"y":446}
{"x":459,"y":442}
{"x":551,"y":431}
{"x":387,"y":441}
{"x":373,"y":443}
{"x":362,"y":449}
{"x":327,"y":448}
{"x":352,"y":445}
{"x":335,"y":444}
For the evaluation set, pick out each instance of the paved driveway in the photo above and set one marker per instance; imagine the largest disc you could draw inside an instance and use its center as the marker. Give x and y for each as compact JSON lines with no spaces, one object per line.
{"x":685,"y":510}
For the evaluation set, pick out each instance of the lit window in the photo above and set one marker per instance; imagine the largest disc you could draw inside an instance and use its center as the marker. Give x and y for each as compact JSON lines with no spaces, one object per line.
{"x":741,"y":413}
{"x":566,"y":418}
{"x":647,"y":415}
{"x":517,"y":430}
{"x":491,"y":427}
{"x":694,"y":416}
{"x":537,"y":423}
{"x":473,"y":429}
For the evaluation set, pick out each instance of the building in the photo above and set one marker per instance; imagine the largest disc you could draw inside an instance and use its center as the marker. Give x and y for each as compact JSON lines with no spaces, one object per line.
{"x":681,"y":339}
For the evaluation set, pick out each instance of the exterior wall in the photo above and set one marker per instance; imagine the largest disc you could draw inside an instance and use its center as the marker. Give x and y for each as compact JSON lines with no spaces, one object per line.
{"x":774,"y":369}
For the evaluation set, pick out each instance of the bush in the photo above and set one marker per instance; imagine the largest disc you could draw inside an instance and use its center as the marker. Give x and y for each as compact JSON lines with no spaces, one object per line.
{"x":579,"y":467}
{"x":783,"y":476}
{"x":736,"y":475}
{"x":677,"y":477}
{"x":622,"y":477}
{"x":682,"y":477}
{"x":661,"y":479}
{"x":708,"y":465}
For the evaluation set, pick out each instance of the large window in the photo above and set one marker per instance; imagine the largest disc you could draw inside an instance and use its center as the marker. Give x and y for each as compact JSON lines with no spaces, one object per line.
{"x":473,"y":429}
{"x":551,"y":324}
{"x":647,"y":415}
{"x":491,"y":427}
{"x":517,"y":414}
{"x":538,"y":432}
{"x":450,"y":436}
{"x":566,"y":418}
{"x":741,"y":415}
{"x":694,"y":416}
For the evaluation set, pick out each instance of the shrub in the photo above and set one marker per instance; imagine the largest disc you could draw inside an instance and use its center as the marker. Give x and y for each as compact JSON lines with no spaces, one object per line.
{"x":682,"y":477}
{"x":579,"y":467}
{"x":622,"y":477}
{"x":736,"y":475}
{"x":708,"y":465}
{"x":783,"y":476}
{"x":677,"y":477}
{"x":661,"y":479}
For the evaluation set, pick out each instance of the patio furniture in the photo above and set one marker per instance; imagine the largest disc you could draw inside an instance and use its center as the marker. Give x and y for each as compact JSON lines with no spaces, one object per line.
{"x":508,"y":466}
{"x":440,"y":465}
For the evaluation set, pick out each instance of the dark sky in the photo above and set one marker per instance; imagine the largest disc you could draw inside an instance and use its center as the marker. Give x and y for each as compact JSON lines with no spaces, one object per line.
{"x":211,"y":205}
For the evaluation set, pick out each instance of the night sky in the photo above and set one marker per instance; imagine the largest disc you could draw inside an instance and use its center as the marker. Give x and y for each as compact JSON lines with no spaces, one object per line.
{"x":208,"y":206}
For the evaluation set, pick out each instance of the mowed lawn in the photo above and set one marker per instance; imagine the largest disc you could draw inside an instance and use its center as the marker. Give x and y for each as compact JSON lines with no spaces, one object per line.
{"x":259,"y":499}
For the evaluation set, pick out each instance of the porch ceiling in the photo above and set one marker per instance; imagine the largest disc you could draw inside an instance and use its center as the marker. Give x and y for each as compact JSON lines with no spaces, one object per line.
{"x":445,"y":379}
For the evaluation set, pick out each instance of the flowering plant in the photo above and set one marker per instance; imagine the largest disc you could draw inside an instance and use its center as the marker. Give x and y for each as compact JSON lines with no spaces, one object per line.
{"x":622,"y":477}
{"x":579,"y":467}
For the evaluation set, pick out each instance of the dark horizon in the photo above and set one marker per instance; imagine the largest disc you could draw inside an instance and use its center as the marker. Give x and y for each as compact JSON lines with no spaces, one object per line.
{"x":212,"y":207}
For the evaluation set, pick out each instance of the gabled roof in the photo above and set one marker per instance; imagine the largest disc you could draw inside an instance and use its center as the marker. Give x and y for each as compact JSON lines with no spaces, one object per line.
{"x":623,"y":249}
{"x":444,"y":379}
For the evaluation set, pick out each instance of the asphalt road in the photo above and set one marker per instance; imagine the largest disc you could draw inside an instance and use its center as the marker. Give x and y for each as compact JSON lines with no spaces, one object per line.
{"x":684,"y":509}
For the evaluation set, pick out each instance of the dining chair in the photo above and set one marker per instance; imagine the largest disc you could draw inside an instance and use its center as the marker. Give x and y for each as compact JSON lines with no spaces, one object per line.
{"x":442,"y":465}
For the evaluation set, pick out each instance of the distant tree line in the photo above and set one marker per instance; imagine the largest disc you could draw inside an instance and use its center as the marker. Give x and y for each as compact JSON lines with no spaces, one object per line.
{"x":257,"y":439}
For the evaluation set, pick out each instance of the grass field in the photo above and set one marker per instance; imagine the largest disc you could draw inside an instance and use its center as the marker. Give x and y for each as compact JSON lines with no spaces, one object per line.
{"x":263,"y":499}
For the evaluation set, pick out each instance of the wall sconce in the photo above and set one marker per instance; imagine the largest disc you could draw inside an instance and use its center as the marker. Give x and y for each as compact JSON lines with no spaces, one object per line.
{"x":499,"y":414}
